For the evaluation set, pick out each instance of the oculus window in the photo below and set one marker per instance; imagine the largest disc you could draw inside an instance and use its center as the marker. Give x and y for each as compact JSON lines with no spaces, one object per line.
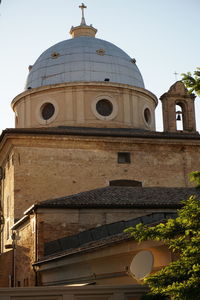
{"x":47,"y":111}
{"x":104,"y":107}
{"x":147,"y":116}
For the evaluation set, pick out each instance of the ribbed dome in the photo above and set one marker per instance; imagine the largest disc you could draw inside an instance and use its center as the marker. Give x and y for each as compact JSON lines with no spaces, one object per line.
{"x":84,"y":59}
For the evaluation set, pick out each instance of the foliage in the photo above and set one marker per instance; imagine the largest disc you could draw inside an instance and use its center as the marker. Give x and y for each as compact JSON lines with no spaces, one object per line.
{"x":195,"y":177}
{"x":181,"y":278}
{"x":192,"y":82}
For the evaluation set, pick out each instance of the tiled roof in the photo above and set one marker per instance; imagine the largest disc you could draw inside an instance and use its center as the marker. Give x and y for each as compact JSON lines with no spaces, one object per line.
{"x":104,"y":132}
{"x":123,"y":197}
{"x":99,"y":236}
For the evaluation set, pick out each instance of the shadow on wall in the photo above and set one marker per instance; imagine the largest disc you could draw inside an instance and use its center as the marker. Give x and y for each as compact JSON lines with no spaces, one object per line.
{"x":6,"y":260}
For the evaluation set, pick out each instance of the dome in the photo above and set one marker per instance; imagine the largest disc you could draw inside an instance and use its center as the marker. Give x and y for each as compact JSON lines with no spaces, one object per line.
{"x":85,"y":82}
{"x":84,"y":59}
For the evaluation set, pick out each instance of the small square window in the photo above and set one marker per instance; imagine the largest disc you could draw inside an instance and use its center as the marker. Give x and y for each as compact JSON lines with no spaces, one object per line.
{"x":124,"y":157}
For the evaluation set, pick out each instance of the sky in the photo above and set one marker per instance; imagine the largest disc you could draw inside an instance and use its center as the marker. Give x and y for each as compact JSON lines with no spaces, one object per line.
{"x":163,"y":36}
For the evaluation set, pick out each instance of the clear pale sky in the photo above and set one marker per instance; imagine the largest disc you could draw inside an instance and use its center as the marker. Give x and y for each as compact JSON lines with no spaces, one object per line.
{"x":163,"y":36}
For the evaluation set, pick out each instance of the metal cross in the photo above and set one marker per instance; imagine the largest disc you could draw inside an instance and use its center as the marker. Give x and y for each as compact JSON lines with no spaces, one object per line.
{"x":82,"y":7}
{"x":175,"y":74}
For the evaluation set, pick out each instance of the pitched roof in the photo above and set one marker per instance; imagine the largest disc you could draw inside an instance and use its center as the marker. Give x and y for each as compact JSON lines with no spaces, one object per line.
{"x":123,"y":197}
{"x":97,"y":237}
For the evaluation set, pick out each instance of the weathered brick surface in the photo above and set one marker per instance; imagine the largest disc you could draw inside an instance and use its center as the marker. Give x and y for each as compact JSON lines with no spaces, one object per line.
{"x":51,"y":167}
{"x":25,"y":255}
{"x":6,"y":270}
{"x":46,"y":167}
{"x":7,"y":186}
{"x":55,"y":224}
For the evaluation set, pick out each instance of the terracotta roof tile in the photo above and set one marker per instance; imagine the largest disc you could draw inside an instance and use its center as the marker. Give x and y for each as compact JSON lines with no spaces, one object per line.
{"x":123,"y":197}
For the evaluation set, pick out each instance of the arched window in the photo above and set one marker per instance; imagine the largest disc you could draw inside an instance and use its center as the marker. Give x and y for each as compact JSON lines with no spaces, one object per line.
{"x":180,"y":116}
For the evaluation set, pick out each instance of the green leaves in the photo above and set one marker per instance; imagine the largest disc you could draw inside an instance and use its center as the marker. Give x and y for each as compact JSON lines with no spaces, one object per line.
{"x":192,"y":82}
{"x":195,"y":177}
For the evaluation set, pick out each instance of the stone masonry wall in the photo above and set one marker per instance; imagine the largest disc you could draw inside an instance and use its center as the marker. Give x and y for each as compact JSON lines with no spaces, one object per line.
{"x":46,"y":167}
{"x":25,"y":254}
{"x":6,"y":271}
{"x":54,"y":167}
{"x":7,"y":197}
{"x":54,"y":224}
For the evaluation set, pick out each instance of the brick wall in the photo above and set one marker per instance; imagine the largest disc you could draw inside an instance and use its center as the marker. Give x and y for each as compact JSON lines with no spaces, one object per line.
{"x":57,"y":167}
{"x":6,"y":268}
{"x":25,"y":255}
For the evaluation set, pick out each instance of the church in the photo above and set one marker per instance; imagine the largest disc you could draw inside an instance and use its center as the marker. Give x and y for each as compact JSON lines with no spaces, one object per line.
{"x":85,"y":161}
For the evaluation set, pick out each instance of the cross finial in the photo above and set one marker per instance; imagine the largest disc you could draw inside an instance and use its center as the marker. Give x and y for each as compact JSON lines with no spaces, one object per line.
{"x":175,"y":74}
{"x":82,"y":7}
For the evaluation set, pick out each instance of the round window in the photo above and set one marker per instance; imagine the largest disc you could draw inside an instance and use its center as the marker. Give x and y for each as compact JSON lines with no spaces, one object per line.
{"x":104,"y":107}
{"x":147,"y":115}
{"x":47,"y":111}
